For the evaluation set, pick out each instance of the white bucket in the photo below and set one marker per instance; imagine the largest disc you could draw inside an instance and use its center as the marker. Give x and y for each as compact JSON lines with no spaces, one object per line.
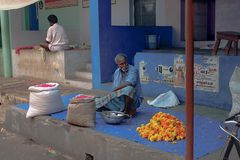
{"x":151,"y":41}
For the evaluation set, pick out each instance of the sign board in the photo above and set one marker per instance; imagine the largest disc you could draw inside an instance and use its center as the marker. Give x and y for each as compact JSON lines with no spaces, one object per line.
{"x":60,"y":3}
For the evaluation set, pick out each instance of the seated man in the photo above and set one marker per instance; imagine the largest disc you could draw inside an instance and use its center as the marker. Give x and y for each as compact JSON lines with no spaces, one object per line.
{"x":56,"y":37}
{"x":126,"y":94}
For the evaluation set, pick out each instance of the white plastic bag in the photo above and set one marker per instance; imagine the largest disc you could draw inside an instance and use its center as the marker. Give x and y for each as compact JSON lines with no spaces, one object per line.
{"x":165,"y":100}
{"x":44,"y":100}
{"x":234,"y":85}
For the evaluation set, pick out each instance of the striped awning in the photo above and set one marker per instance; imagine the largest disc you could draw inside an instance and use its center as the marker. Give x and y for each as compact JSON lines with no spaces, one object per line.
{"x":15,"y":4}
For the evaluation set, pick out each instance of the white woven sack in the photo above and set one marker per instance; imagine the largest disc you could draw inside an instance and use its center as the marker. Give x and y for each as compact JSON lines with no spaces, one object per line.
{"x":38,"y":87}
{"x":44,"y":102}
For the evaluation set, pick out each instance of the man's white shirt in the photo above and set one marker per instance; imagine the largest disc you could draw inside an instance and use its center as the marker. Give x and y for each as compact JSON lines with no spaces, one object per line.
{"x":57,"y":38}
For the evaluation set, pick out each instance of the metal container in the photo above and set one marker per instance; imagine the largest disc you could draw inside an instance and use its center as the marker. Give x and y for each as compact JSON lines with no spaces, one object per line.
{"x":114,"y":117}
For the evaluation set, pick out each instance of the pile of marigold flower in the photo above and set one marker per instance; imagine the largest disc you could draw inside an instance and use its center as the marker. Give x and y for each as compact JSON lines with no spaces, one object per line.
{"x":163,"y":127}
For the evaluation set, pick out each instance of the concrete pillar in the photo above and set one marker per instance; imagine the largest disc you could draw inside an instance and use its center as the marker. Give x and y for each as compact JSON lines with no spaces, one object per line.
{"x":6,"y":48}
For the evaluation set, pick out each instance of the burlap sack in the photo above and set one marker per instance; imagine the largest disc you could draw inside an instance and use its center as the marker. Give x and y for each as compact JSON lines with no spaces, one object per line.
{"x":82,"y":112}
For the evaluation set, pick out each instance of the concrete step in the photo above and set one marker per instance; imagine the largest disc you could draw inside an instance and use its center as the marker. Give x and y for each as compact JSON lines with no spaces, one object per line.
{"x":83,"y":75}
{"x":80,"y":83}
{"x":79,"y":141}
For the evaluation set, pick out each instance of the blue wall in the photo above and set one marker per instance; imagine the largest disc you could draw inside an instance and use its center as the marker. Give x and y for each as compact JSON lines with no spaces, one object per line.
{"x":109,"y":40}
{"x":221,"y":99}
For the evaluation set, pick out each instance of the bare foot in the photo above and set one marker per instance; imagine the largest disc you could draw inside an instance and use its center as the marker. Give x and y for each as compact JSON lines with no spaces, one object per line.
{"x":131,"y":112}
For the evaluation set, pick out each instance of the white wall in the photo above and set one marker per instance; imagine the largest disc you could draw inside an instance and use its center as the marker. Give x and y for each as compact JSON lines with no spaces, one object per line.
{"x":228,"y":15}
{"x":168,"y":13}
{"x":120,"y":13}
{"x":84,"y":25}
{"x":226,"y":19}
{"x":1,"y":63}
{"x":19,"y":36}
{"x":161,"y":18}
{"x":68,"y":17}
{"x":75,"y":22}
{"x":172,"y":18}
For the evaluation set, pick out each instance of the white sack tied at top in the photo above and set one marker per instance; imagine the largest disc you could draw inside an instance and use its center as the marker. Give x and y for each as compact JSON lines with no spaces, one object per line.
{"x":44,"y":87}
{"x":44,"y":99}
{"x":15,"y":4}
{"x":165,"y":100}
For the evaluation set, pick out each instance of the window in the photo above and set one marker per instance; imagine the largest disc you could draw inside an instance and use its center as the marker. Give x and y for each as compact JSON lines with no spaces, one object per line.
{"x":204,"y":20}
{"x":144,"y":12}
{"x":31,"y":19}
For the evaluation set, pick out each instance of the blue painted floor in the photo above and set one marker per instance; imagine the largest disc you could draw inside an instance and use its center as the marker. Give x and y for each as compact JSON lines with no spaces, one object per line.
{"x":208,"y":136}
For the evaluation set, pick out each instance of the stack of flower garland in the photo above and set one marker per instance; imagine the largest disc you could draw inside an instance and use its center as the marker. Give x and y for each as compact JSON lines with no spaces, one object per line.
{"x":163,"y":127}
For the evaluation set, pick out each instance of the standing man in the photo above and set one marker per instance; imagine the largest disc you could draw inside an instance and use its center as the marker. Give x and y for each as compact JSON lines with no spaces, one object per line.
{"x":56,"y":37}
{"x":126,"y":94}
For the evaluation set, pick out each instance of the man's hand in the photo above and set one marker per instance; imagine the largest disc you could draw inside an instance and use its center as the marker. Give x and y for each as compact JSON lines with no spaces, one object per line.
{"x":122,"y":86}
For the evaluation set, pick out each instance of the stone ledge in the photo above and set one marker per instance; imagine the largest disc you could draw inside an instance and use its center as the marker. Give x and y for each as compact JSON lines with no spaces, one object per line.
{"x":77,"y":141}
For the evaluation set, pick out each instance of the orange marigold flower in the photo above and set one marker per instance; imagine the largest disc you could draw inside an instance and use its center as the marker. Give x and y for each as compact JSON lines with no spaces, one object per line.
{"x":163,"y":126}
